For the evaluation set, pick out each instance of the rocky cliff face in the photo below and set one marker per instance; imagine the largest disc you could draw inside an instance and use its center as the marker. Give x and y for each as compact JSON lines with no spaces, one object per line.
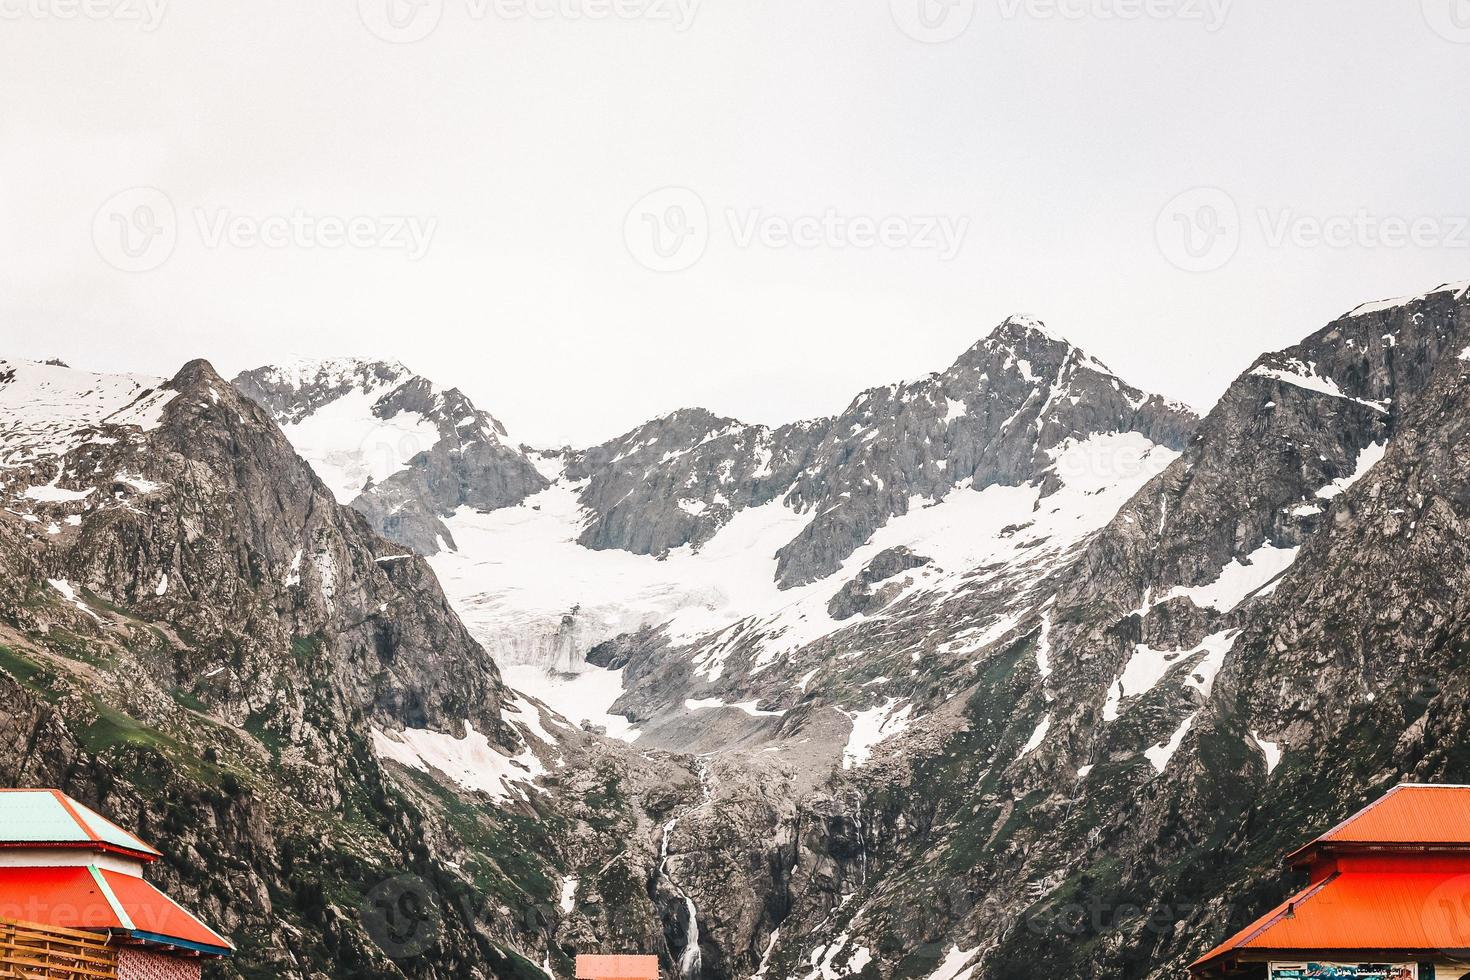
{"x":829,"y":583}
{"x":693,"y":523}
{"x":1266,"y":636}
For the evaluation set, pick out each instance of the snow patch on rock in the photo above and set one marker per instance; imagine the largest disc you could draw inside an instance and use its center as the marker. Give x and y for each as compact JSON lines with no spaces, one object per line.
{"x":1367,"y":459}
{"x":1159,"y":755}
{"x":1238,"y":580}
{"x":872,"y":726}
{"x":471,"y":761}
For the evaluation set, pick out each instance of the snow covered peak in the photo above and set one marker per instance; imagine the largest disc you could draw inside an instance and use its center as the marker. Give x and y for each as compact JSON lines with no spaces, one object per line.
{"x":383,"y":439}
{"x":334,"y":373}
{"x":49,"y":409}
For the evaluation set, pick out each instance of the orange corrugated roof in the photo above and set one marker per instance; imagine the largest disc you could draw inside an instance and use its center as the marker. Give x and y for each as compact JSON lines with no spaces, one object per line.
{"x":1370,"y":912}
{"x":89,"y":897}
{"x":157,"y":917}
{"x":1409,"y":814}
{"x":617,"y":968}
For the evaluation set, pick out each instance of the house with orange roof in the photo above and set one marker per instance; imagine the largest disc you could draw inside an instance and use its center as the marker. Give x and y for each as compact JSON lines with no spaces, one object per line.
{"x":74,"y":901}
{"x":1387,"y":898}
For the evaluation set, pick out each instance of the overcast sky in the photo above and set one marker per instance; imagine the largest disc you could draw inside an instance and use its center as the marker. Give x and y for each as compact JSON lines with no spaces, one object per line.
{"x":589,"y":212}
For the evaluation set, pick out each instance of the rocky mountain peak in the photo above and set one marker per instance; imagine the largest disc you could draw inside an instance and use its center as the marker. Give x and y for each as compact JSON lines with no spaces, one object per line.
{"x":1021,"y":345}
{"x":1040,"y":641}
{"x":297,"y":387}
{"x":198,"y":373}
{"x":1025,"y":328}
{"x":695,"y":419}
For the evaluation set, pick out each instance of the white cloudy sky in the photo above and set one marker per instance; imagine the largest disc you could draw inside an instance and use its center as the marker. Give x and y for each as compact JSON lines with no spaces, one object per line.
{"x":527,"y":140}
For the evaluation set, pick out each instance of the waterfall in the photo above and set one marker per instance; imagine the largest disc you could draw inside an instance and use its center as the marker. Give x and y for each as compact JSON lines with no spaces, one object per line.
{"x":691,"y":960}
{"x":663,"y":851}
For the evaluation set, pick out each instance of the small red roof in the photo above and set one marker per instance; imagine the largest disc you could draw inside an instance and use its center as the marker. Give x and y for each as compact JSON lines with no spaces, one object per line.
{"x":617,"y":968}
{"x":94,"y":898}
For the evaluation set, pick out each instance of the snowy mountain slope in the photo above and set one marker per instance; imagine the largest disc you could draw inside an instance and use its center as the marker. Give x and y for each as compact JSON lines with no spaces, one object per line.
{"x":56,"y":424}
{"x":392,"y":445}
{"x":1056,"y":714}
{"x":976,"y":564}
{"x":46,"y":410}
{"x":993,"y":417}
{"x":543,"y":601}
{"x":711,"y":534}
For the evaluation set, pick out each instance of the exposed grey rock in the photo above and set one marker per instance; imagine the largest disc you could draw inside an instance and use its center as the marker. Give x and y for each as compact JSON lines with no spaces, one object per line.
{"x":1033,"y":811}
{"x":857,"y":596}
{"x":1094,"y":852}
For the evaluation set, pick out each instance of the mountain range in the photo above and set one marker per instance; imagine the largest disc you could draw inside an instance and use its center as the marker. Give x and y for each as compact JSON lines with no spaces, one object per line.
{"x":1013,"y":670}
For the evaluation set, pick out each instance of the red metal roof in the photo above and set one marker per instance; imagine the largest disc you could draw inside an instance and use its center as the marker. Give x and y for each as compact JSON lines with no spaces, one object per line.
{"x":617,"y":968}
{"x":93,"y":898}
{"x":1377,"y":912}
{"x":1409,"y":814}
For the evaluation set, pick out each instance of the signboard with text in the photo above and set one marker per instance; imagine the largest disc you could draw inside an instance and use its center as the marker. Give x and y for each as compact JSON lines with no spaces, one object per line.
{"x":1344,"y":971}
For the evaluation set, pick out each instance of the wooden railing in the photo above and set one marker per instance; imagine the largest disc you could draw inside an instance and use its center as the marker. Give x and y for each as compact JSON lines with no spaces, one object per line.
{"x":30,"y":952}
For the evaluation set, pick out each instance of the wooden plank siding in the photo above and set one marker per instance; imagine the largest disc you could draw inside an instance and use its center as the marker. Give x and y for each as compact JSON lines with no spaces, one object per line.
{"x":31,"y":952}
